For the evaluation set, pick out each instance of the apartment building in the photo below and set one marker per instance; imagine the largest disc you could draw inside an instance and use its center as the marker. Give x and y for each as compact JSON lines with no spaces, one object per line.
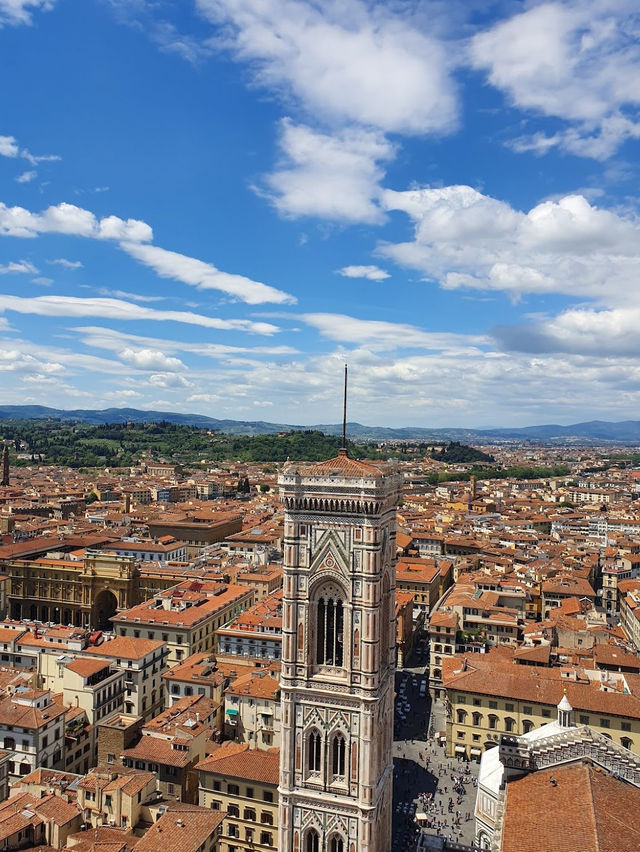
{"x":244,"y":783}
{"x":185,"y":617}
{"x":252,"y":709}
{"x":115,"y":797}
{"x":490,"y":694}
{"x":143,"y":662}
{"x":32,"y":729}
{"x":426,"y":579}
{"x":256,"y":632}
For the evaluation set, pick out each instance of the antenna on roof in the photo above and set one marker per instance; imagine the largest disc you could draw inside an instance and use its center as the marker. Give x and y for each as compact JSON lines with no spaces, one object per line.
{"x":344,"y":413}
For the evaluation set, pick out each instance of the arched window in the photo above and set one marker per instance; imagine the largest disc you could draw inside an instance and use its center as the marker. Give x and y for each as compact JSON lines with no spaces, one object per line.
{"x":527,"y":726}
{"x":338,"y":748}
{"x":336,"y":844}
{"x":313,"y":841}
{"x":462,"y":716}
{"x":626,"y":742}
{"x":477,"y":718}
{"x":314,"y":751}
{"x":509,"y":724}
{"x":330,"y":627}
{"x":493,"y":721}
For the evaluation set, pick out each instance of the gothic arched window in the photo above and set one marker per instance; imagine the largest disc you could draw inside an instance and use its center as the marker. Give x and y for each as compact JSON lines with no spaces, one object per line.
{"x":330,"y":630}
{"x":337,"y":844}
{"x":313,"y":841}
{"x":338,"y":748}
{"x":314,"y":751}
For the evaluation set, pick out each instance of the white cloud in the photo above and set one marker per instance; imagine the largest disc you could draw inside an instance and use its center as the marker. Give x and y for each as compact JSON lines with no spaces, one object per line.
{"x":331,"y":176}
{"x":27,"y":177}
{"x":346,"y":61}
{"x":169,"y":380}
{"x":204,"y":276}
{"x":71,"y":306}
{"x":578,"y":61}
{"x":43,"y":281}
{"x":464,"y":239}
{"x":381,"y":335}
{"x":151,"y":359}
{"x":19,"y":266}
{"x":68,"y":219}
{"x":112,"y":340}
{"x":605,"y":333}
{"x":8,"y":146}
{"x":123,"y":294}
{"x":122,"y":394}
{"x":68,"y":264}
{"x":372,"y":273}
{"x":19,"y":11}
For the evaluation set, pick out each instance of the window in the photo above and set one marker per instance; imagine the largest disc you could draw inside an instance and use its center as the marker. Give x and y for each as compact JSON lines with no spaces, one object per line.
{"x":336,"y":845}
{"x":233,"y":830}
{"x":267,"y":796}
{"x":528,"y":710}
{"x":493,"y":722}
{"x":508,"y":708}
{"x":477,"y":718}
{"x":509,"y":724}
{"x":313,"y":841}
{"x":462,"y":716}
{"x":625,"y":742}
{"x":493,"y":705}
{"x":626,"y":726}
{"x":477,"y":702}
{"x":250,"y":793}
{"x":605,"y":723}
{"x":330,"y":627}
{"x":527,"y":726}
{"x":215,"y":805}
{"x":314,"y":748}
{"x":217,"y":785}
{"x":462,"y":699}
{"x":250,"y":814}
{"x":233,"y":810}
{"x":266,"y":818}
{"x":460,"y":735}
{"x":584,"y":720}
{"x":266,"y":838}
{"x":111,"y":758}
{"x":338,"y":748}
{"x":546,"y":712}
{"x":233,"y":789}
{"x":248,"y":835}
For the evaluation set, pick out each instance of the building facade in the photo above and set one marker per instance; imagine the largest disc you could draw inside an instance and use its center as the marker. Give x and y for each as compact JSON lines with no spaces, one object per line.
{"x":338,"y":656}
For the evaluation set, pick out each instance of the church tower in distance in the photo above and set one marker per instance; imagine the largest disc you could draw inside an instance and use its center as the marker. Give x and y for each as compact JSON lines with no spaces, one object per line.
{"x":338,"y":656}
{"x":5,"y":465}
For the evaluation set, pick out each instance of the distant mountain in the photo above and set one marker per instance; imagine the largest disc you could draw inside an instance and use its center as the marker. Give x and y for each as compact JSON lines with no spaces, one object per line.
{"x":626,"y":431}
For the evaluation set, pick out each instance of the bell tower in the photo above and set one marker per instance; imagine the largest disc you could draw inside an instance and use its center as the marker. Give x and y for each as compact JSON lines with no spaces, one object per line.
{"x":338,"y":655}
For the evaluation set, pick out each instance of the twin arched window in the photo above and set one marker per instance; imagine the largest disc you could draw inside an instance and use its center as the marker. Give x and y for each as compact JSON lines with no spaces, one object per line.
{"x":314,"y":752}
{"x":330,"y":625}
{"x":313,"y":841}
{"x":338,"y":749}
{"x":337,"y":844}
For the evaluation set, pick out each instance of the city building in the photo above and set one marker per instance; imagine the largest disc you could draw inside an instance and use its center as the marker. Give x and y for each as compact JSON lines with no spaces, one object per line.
{"x":244,"y":784}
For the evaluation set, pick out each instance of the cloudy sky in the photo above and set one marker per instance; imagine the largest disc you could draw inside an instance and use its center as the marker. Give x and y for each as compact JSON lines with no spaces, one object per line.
{"x":211,"y":205}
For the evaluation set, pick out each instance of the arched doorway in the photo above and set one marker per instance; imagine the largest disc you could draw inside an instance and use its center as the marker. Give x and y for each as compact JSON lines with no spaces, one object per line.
{"x":104,"y":606}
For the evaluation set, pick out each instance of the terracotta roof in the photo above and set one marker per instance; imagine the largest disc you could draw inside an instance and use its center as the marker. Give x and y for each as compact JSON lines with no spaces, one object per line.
{"x":155,"y":750}
{"x":341,"y":466}
{"x":574,"y":808}
{"x":126,"y":648}
{"x":181,"y":831}
{"x":239,"y":761}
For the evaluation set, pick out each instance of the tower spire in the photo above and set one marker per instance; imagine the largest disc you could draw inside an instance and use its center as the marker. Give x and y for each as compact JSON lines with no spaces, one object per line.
{"x":344,"y":414}
{"x":5,"y":465}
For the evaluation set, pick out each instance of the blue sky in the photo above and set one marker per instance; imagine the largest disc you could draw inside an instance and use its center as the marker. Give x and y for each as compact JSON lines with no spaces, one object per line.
{"x":211,"y":205}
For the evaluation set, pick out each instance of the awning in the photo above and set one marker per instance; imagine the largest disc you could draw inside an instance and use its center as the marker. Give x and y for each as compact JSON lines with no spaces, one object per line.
{"x":460,"y":749}
{"x":266,"y":711}
{"x":232,"y":712}
{"x":421,"y":816}
{"x":476,"y":751}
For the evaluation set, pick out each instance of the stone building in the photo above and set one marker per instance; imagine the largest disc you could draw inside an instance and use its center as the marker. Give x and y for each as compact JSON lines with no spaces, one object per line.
{"x":338,"y":656}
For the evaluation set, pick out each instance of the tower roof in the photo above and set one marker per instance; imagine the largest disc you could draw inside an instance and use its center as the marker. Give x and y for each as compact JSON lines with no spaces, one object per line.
{"x":565,"y":704}
{"x":341,"y":465}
